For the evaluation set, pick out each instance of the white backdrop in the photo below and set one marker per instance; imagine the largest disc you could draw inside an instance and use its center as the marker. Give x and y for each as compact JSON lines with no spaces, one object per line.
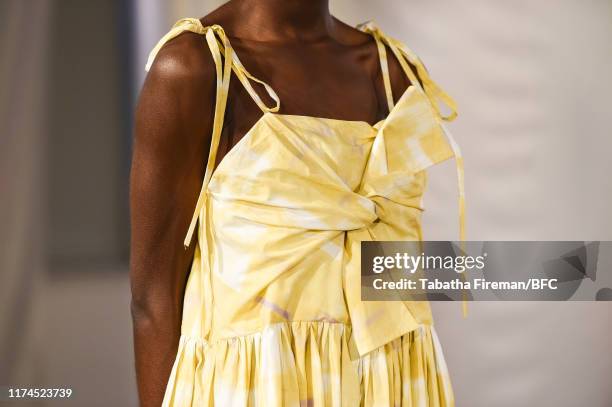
{"x":533,"y":84}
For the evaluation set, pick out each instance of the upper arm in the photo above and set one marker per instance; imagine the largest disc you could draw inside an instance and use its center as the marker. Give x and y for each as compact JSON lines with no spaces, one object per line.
{"x":173,"y":123}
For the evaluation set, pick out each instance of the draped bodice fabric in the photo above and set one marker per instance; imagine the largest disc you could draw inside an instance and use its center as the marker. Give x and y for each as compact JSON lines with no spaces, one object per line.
{"x":280,"y":220}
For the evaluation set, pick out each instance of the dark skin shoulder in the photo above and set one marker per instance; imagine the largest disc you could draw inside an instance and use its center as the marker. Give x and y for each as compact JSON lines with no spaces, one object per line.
{"x":336,"y":76}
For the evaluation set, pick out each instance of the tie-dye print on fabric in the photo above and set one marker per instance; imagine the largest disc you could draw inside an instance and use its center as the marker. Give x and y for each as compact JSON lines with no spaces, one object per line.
{"x":272,"y":311}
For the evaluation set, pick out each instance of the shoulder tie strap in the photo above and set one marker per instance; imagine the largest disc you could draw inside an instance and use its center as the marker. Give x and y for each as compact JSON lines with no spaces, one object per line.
{"x":225,"y":60}
{"x":384,"y":68}
{"x":434,"y":93}
{"x":195,"y":25}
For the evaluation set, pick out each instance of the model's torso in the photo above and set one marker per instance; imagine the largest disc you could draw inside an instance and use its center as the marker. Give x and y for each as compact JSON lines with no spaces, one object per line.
{"x":282,"y":218}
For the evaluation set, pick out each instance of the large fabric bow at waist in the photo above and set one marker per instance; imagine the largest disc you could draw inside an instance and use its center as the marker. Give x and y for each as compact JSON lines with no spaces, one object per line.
{"x":384,"y":207}
{"x":375,"y":323}
{"x":323,"y":208}
{"x":300,"y":188}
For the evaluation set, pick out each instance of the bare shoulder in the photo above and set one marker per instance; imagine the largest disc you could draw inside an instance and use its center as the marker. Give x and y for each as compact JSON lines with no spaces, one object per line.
{"x":396,"y":71}
{"x":351,"y":35}
{"x":399,"y":80}
{"x":176,"y":102}
{"x":186,"y":60}
{"x":185,"y":57}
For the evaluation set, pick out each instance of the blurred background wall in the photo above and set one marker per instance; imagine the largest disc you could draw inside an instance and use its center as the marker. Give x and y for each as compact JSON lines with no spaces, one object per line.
{"x":532,"y":80}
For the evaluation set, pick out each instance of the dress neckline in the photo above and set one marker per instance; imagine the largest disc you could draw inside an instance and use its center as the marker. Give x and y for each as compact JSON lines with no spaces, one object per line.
{"x":369,"y":27}
{"x":379,"y":124}
{"x":373,"y":129}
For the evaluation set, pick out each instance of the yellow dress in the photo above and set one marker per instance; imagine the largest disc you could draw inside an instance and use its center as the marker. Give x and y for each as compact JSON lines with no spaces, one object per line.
{"x":272,"y":312}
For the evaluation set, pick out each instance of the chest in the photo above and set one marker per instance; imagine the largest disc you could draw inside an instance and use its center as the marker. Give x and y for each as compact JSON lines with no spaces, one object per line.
{"x":324,"y":79}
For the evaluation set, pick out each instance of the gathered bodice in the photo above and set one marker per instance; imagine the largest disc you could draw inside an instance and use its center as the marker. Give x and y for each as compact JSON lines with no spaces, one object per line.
{"x":280,"y":220}
{"x":327,"y":174}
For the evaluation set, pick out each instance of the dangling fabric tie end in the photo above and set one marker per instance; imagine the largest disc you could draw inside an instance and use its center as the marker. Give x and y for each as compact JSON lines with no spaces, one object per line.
{"x":461,"y":203}
{"x":194,"y":220}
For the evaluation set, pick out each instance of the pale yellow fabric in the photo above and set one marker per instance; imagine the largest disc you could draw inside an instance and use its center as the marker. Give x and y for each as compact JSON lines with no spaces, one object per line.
{"x":272,"y":311}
